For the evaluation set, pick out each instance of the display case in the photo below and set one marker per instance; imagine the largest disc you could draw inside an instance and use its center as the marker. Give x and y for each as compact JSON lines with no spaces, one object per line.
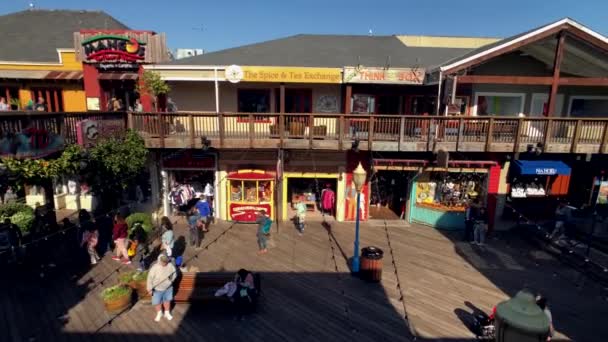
{"x":249,"y":191}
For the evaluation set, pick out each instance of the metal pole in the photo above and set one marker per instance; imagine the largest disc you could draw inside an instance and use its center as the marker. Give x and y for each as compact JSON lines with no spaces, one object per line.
{"x":356,"y":255}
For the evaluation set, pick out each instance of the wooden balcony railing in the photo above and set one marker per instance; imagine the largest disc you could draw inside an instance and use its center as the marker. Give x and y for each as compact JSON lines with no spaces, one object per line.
{"x":334,"y":131}
{"x":377,"y":132}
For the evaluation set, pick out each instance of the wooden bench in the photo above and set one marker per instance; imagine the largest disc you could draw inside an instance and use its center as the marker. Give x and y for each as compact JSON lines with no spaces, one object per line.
{"x":201,"y":286}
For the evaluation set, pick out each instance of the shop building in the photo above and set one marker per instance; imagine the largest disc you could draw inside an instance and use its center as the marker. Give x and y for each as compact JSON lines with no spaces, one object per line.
{"x":37,"y":58}
{"x":113,"y":63}
{"x":396,"y":107}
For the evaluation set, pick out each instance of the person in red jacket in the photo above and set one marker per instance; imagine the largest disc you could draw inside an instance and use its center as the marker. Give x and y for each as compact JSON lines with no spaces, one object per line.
{"x":119,"y":235}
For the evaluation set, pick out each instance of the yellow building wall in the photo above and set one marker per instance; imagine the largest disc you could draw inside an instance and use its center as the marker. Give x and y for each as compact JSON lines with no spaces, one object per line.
{"x":68,"y":63}
{"x":447,"y":42}
{"x":74,"y":99}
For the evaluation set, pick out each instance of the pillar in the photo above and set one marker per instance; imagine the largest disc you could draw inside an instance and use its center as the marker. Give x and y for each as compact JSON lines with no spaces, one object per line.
{"x":493,"y":186}
{"x":92,"y":88}
{"x":145,"y":99}
{"x":165,"y":193}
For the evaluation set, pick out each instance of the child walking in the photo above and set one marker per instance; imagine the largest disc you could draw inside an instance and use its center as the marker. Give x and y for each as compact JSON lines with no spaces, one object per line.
{"x":90,"y":237}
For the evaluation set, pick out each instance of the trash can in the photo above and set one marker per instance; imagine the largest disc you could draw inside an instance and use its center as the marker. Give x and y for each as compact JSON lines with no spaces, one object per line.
{"x":371,"y":264}
{"x":520,"y":319}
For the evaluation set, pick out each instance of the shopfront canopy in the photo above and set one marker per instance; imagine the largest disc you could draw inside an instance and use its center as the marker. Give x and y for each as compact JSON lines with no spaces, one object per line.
{"x":541,"y":167}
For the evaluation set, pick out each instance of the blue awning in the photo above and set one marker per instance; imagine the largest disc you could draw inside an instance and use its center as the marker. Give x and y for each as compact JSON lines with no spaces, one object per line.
{"x":541,"y":167}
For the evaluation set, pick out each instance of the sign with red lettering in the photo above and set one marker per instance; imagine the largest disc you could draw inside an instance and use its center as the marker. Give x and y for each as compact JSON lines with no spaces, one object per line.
{"x":384,"y":75}
{"x":247,"y":212}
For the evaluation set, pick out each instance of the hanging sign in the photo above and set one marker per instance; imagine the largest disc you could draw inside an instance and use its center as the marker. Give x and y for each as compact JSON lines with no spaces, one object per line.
{"x":384,"y":75}
{"x":109,"y":48}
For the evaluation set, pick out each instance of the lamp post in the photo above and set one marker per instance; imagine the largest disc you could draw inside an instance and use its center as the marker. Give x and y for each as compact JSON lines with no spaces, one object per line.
{"x":359,"y":176}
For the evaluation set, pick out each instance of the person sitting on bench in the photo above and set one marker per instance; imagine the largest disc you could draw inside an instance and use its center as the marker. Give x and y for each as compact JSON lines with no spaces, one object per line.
{"x":244,"y":295}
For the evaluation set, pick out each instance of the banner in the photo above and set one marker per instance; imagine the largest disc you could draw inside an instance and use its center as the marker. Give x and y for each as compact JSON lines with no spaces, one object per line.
{"x":384,"y":75}
{"x":277,"y":74}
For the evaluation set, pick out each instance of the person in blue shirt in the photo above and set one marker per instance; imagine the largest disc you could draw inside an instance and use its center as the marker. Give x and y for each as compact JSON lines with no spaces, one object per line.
{"x":204,"y":210}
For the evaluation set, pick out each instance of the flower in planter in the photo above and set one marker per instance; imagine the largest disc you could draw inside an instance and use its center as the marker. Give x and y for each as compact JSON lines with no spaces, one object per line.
{"x":140,"y":276}
{"x":126,"y":277}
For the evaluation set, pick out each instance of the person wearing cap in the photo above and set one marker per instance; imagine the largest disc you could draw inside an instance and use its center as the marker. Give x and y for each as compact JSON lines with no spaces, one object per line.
{"x":264,"y":224}
{"x":160,"y":285}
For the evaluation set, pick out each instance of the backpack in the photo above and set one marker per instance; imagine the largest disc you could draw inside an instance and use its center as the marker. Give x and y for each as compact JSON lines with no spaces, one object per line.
{"x":267,"y":226}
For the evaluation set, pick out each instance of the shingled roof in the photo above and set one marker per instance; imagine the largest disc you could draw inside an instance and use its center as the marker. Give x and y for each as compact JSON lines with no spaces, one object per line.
{"x":35,"y":35}
{"x":332,"y":51}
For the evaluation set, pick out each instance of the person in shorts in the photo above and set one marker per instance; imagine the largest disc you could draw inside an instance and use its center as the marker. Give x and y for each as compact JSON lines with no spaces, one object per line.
{"x":160,"y":285}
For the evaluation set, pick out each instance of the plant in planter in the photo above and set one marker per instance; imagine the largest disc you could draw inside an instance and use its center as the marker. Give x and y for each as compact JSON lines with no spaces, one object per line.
{"x":144,"y":219}
{"x":20,"y":214}
{"x":140,"y":280}
{"x":126,"y":278}
{"x":117,"y":298}
{"x":15,"y":104}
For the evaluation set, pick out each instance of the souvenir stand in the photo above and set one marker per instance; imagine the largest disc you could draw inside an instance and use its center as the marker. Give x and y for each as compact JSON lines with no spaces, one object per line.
{"x":439,"y":198}
{"x":535,"y":186}
{"x":248,"y":192}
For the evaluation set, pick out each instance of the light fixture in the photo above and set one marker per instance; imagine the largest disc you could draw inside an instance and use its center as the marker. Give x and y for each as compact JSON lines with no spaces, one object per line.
{"x":359,"y":176}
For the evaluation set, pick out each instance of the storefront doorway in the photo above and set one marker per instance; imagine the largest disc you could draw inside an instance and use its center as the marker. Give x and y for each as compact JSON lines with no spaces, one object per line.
{"x":389,"y":192}
{"x":317,"y":191}
{"x":119,"y":94}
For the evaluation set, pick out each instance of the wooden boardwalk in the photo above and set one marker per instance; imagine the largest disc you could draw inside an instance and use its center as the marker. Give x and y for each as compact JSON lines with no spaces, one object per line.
{"x":308,"y":293}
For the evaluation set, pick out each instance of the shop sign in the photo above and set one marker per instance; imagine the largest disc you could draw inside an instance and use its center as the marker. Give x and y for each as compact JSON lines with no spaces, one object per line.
{"x":89,"y":132}
{"x":30,"y":143}
{"x":109,"y":48}
{"x":383,"y":75}
{"x":247,"y":212}
{"x":283,"y":74}
{"x":118,"y":66}
{"x":546,"y":171}
{"x":189,"y":160}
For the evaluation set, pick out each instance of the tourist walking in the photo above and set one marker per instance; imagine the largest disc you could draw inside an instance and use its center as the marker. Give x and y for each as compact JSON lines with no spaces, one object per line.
{"x":264,"y":224}
{"x":160,"y":285}
{"x":194,"y":234}
{"x":204,"y":211}
{"x":481,"y":227}
{"x":168,"y":237}
{"x":90,"y":237}
{"x":119,"y":235}
{"x":301,"y":215}
{"x":543,"y":302}
{"x":469,"y":221}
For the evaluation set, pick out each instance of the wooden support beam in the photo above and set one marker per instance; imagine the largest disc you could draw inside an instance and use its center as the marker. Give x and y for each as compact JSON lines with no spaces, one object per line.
{"x":282,"y":99}
{"x":524,"y":80}
{"x":559,"y":54}
{"x":311,"y":126}
{"x":517,"y":136}
{"x":220,"y":118}
{"x":161,"y":125}
{"x":580,"y":81}
{"x":192,"y":130}
{"x":251,"y":130}
{"x":490,"y":134}
{"x":347,"y":97}
{"x":577,"y":134}
{"x":604,"y":139}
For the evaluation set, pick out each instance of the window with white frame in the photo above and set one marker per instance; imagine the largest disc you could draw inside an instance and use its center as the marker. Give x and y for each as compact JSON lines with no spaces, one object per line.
{"x":588,"y":106}
{"x":499,"y":104}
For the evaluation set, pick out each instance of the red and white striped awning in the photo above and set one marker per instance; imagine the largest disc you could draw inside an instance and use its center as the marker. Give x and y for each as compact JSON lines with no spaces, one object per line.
{"x":64,"y":75}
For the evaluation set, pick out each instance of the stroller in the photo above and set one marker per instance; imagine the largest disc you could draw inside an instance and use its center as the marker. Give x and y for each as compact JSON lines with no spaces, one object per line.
{"x":484,"y":327}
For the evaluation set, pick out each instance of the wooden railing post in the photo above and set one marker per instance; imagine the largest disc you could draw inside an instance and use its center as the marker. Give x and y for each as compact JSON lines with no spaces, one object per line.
{"x":548,"y":133}
{"x":460,"y":132}
{"x":517,"y":136}
{"x":311,"y":122}
{"x":429,"y":133}
{"x":490,"y":134}
{"x":192,"y":131}
{"x":577,"y":133}
{"x":401,"y":132}
{"x":370,"y":133}
{"x":130,"y":124}
{"x":604,"y":139}
{"x":161,"y":129}
{"x":251,"y":130}
{"x":220,"y":125}
{"x":340,"y":132}
{"x":281,"y":129}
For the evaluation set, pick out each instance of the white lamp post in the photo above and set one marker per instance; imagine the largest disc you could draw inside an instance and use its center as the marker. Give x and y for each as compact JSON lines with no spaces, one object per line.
{"x":359,"y":177}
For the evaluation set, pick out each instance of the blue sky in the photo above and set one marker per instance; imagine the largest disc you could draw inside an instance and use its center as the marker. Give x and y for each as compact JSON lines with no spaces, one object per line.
{"x":215,"y":25}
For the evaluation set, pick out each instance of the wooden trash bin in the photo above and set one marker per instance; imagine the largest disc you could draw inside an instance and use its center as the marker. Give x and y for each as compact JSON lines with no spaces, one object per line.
{"x":371,"y":264}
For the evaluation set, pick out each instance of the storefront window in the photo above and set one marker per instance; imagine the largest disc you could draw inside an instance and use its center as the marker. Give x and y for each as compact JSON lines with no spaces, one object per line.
{"x":254,"y":100}
{"x":236,"y":190}
{"x":423,"y":105}
{"x":449,"y":192}
{"x":264,"y":191}
{"x":595,"y":107}
{"x":499,"y":104}
{"x":363,"y":104}
{"x":251,"y":195}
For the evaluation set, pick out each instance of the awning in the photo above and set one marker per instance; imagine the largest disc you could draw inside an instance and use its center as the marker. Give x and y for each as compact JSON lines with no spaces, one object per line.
{"x":64,"y":75}
{"x":118,"y":76}
{"x":541,"y":167}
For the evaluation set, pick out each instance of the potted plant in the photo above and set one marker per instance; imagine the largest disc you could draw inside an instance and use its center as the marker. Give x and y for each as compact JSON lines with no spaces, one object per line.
{"x":117,"y":298}
{"x":140,"y":280}
{"x":126,"y":279}
{"x":15,"y":104}
{"x":152,"y":84}
{"x":144,"y":219}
